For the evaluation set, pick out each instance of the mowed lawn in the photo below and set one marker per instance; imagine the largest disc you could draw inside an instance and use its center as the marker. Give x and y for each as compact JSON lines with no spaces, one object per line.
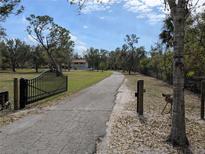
{"x":77,"y":80}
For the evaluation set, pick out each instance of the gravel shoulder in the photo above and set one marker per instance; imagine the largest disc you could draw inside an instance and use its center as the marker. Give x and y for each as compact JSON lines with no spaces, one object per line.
{"x":131,"y":134}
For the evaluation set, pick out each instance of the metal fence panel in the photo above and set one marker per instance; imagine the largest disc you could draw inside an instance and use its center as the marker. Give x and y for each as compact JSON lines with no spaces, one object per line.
{"x":47,"y":84}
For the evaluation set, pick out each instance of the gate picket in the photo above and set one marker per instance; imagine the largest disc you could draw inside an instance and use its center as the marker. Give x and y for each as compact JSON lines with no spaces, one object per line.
{"x":47,"y":84}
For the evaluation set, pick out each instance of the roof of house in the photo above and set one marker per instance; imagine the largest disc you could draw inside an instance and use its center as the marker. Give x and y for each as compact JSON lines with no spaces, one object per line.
{"x":79,"y":61}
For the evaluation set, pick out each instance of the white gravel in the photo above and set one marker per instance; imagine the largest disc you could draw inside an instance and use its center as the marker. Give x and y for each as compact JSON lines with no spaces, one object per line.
{"x":128,"y":133}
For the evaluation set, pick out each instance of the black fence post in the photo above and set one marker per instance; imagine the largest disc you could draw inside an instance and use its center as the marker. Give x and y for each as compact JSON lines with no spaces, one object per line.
{"x":23,"y":93}
{"x":16,"y":94}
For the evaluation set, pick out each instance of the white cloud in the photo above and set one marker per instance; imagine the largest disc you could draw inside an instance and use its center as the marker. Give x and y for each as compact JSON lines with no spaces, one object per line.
{"x":23,"y":19}
{"x":152,"y":10}
{"x":143,"y":8}
{"x":80,"y":46}
{"x":110,"y":11}
{"x":30,"y":40}
{"x":85,"y":27}
{"x":73,"y":37}
{"x":94,"y":5}
{"x":90,"y":7}
{"x":146,"y":9}
{"x":102,"y":18}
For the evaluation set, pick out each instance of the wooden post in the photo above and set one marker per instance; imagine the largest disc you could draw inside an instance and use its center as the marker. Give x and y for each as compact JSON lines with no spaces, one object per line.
{"x":16,"y":94}
{"x":139,"y":94}
{"x":202,"y":98}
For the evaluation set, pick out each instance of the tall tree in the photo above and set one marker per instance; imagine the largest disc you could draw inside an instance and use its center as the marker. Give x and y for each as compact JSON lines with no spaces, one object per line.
{"x":49,"y":35}
{"x":103,"y":60}
{"x":37,"y":58}
{"x":123,"y":54}
{"x":93,"y":58}
{"x":4,"y":60}
{"x":131,"y":41}
{"x":173,"y":35}
{"x":23,"y":55}
{"x":13,"y":47}
{"x":178,"y":11}
{"x":156,"y":58}
{"x":116,"y":60}
{"x":195,"y":45}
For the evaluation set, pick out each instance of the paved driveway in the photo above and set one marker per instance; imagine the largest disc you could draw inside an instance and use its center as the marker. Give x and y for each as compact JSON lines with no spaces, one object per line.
{"x":71,"y":127}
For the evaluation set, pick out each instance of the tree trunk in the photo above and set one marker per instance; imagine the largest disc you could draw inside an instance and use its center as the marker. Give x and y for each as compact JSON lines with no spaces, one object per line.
{"x":129,"y":71}
{"x":13,"y":67}
{"x":68,"y":68}
{"x":54,"y":63}
{"x":178,"y":130}
{"x":13,"y":64}
{"x":157,"y":74}
{"x":36,"y":68}
{"x":12,"y":61}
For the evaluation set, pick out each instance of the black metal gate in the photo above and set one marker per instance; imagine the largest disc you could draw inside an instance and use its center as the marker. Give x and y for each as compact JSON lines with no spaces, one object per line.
{"x":45,"y":85}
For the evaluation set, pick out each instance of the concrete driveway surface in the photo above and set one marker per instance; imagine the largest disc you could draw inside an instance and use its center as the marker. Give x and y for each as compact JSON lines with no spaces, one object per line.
{"x":71,"y":127}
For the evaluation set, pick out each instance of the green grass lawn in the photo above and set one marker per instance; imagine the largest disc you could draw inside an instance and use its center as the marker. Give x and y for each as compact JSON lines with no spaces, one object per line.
{"x":77,"y":80}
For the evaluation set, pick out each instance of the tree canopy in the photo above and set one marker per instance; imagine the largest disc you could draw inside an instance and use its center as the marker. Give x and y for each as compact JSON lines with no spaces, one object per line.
{"x":50,"y":36}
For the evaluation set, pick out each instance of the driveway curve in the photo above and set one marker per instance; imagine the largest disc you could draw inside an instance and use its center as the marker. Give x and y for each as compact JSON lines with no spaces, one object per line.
{"x":71,"y":127}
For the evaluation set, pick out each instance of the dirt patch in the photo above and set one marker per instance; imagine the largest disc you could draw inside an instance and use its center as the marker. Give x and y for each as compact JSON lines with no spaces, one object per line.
{"x":128,"y":133}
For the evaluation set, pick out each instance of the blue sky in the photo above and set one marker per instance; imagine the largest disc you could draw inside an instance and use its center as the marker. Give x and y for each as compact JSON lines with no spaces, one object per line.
{"x":99,"y":25}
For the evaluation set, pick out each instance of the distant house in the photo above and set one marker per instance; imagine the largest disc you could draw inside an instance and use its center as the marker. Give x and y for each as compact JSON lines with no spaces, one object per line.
{"x":79,"y":64}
